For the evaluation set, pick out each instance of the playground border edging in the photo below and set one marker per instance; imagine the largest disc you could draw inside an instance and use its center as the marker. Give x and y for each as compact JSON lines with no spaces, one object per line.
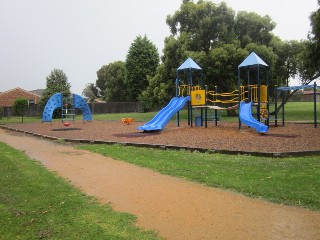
{"x":173,"y":147}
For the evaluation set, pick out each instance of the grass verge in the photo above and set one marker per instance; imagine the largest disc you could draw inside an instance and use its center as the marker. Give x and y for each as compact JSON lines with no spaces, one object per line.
{"x":291,"y":181}
{"x":37,"y":204}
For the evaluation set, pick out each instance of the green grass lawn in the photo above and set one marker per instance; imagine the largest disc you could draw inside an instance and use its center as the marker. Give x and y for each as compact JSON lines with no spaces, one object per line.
{"x":292,"y":181}
{"x":300,"y":111}
{"x":37,"y":204}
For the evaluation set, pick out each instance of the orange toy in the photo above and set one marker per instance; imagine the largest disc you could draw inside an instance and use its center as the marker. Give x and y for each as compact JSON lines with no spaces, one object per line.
{"x":127,"y":120}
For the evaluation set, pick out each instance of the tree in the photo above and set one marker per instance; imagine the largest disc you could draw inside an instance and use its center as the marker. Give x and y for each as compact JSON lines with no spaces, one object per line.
{"x":287,"y":61}
{"x":101,"y":80}
{"x":250,"y":27}
{"x":156,"y":94}
{"x":303,"y":59}
{"x":207,"y":24}
{"x":142,"y":61}
{"x":20,"y":106}
{"x":222,"y":65}
{"x":57,"y":81}
{"x":90,"y":91}
{"x":115,"y":75}
{"x":217,"y":40}
{"x":310,"y":65}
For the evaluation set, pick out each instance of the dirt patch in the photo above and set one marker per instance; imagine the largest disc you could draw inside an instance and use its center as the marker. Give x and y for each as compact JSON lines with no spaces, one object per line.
{"x":177,"y":209}
{"x":225,"y":136}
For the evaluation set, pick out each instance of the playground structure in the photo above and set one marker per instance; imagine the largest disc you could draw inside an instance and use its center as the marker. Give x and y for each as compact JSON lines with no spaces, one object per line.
{"x":68,"y":105}
{"x":199,"y":97}
{"x":280,"y":90}
{"x":164,"y":116}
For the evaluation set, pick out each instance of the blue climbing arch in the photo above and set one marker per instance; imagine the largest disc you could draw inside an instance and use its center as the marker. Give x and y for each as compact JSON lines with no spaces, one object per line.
{"x":56,"y":101}
{"x":81,"y":104}
{"x":53,"y":103}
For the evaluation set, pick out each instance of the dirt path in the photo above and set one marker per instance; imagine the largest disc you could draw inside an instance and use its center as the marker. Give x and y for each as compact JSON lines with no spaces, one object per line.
{"x":177,"y":209}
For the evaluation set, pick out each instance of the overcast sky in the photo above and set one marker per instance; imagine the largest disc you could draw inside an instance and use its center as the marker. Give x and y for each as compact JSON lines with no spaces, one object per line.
{"x":79,"y":36}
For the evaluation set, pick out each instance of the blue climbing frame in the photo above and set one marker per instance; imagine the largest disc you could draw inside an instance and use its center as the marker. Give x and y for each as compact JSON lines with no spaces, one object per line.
{"x":56,"y":101}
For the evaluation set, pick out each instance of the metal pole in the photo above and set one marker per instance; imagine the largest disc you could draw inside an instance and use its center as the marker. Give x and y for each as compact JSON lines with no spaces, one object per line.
{"x":216,"y":117}
{"x":178,"y":113}
{"x":258,"y":109}
{"x":190,"y":83}
{"x":239,"y":98}
{"x":275,"y":106}
{"x":249,"y":91}
{"x":215,"y":111}
{"x":315,"y":103}
{"x":282,"y":94}
{"x":268,"y":108}
{"x":206,"y":107}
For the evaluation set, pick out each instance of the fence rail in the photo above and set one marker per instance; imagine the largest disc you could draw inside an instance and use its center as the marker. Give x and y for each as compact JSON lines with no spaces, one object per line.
{"x":96,"y":108}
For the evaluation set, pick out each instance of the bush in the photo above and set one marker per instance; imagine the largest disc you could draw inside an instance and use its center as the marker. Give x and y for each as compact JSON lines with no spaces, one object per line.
{"x":20,"y":107}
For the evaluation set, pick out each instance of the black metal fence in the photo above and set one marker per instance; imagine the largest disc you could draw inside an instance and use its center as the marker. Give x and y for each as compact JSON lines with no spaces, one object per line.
{"x":33,"y":110}
{"x":96,"y":108}
{"x":115,"y":107}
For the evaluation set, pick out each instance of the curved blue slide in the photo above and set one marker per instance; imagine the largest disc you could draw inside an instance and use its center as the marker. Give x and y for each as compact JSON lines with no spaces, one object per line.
{"x":247,"y":119}
{"x":164,"y":115}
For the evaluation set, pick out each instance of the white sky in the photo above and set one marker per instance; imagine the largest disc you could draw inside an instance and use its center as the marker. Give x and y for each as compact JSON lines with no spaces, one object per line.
{"x":79,"y":36}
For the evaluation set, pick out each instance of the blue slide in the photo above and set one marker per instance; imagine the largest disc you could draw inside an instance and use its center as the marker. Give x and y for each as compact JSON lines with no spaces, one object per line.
{"x":165,"y":114}
{"x":247,"y":119}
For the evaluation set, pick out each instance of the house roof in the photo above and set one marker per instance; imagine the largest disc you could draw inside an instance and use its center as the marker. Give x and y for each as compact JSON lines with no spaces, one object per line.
{"x":38,"y":92}
{"x":19,"y":89}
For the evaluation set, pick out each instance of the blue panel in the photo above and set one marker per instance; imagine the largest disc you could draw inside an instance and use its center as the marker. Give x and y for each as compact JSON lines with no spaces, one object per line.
{"x":80,"y":103}
{"x":163,"y":117}
{"x":53,"y":103}
{"x":247,"y":119}
{"x":189,"y":64}
{"x":252,"y":59}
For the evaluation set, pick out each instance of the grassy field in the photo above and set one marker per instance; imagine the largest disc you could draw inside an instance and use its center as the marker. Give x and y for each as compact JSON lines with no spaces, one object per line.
{"x":36,"y":204}
{"x":300,"y":111}
{"x":292,"y":181}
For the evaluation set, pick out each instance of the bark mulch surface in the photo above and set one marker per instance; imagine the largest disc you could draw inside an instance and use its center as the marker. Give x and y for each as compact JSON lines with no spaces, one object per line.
{"x":225,"y":136}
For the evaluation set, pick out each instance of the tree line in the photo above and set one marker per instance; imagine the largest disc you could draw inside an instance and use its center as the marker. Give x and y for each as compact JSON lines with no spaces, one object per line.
{"x":218,"y":39}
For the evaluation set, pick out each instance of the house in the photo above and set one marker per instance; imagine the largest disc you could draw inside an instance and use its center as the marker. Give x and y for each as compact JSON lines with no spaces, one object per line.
{"x":309,"y":96}
{"x":7,"y":99}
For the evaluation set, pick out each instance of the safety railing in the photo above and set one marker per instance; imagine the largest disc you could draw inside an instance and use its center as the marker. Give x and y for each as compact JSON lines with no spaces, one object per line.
{"x":253,"y":89}
{"x":246,"y":93}
{"x":184,"y":90}
{"x":215,"y":97}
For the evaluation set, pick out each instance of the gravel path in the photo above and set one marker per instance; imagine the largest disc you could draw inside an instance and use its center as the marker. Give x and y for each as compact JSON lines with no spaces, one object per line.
{"x":177,"y":209}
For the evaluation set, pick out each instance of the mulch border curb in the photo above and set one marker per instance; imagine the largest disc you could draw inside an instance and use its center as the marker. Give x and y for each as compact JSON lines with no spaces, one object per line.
{"x":172,"y":147}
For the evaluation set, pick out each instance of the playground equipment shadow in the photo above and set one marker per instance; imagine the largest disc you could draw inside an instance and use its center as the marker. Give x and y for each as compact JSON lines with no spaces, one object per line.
{"x":291,"y":139}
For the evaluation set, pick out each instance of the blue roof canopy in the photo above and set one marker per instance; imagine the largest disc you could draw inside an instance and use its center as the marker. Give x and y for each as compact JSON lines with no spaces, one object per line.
{"x":252,"y":59}
{"x":296,"y":87}
{"x":189,"y":64}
